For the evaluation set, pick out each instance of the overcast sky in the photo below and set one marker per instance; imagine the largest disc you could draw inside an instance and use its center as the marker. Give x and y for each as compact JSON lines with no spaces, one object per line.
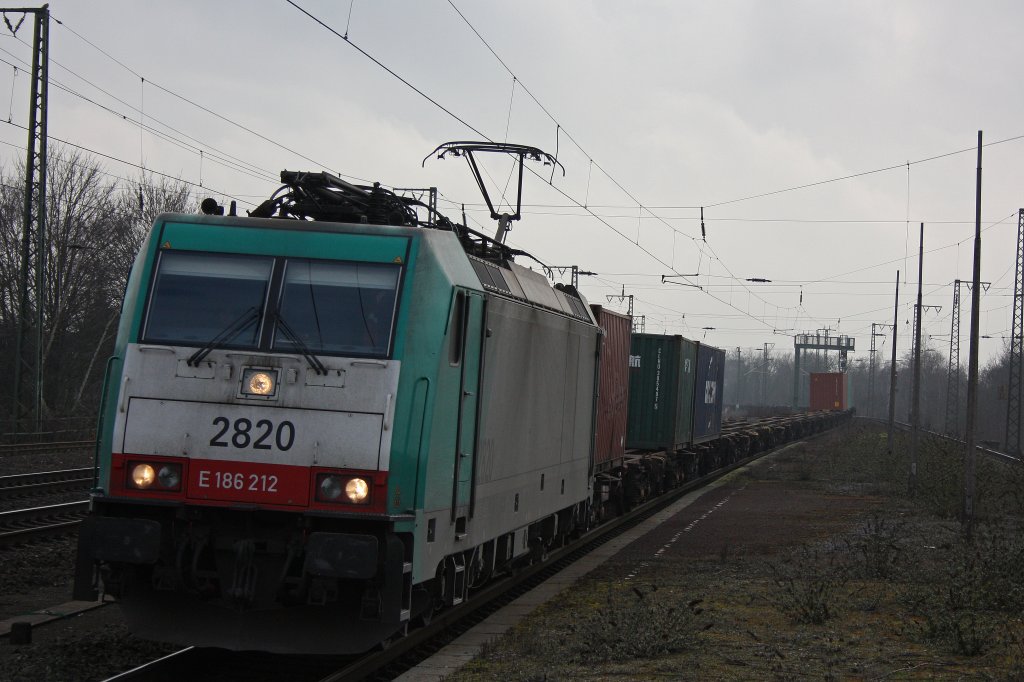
{"x":654,"y":108}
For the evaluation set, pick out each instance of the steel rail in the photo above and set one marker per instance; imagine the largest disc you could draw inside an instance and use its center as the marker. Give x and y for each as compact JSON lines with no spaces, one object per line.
{"x":177,"y":661}
{"x":45,"y":448}
{"x":994,"y":454}
{"x":20,"y":525}
{"x":45,"y":482}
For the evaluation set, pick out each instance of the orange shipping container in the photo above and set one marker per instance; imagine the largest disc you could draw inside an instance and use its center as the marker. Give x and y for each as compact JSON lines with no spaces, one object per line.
{"x":613,"y":386}
{"x":828,"y":391}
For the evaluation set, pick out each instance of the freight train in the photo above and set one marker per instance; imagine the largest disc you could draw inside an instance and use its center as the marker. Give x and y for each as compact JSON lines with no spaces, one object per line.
{"x":328,"y":420}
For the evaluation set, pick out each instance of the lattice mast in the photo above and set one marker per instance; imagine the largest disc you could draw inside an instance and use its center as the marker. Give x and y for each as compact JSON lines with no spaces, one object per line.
{"x":33,"y":245}
{"x":953,"y":373}
{"x":1013,"y":388}
{"x":873,"y":366}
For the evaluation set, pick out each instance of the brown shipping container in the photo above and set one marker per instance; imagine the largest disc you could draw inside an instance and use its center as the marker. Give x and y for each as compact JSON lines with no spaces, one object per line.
{"x":828,"y":391}
{"x":613,"y":386}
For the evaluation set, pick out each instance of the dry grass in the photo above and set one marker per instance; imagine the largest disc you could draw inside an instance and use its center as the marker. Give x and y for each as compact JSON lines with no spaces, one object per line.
{"x":897,"y":594}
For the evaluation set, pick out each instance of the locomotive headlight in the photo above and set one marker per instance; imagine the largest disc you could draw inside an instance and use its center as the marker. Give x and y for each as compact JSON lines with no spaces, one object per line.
{"x":330,"y":488}
{"x":169,"y":476}
{"x":259,"y":382}
{"x":154,"y":476}
{"x":357,"y":490}
{"x":343,"y":489}
{"x":143,"y":476}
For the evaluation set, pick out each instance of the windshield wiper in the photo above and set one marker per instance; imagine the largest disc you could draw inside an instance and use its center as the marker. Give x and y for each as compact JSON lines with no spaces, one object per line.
{"x":230,"y":332}
{"x":314,"y":361}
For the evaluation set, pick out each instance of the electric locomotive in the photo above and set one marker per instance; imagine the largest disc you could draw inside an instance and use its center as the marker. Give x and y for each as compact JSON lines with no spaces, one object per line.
{"x":315,"y":432}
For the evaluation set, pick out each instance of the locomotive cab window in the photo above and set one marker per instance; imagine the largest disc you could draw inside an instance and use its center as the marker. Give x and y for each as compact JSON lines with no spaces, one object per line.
{"x":338,"y":308}
{"x":200,"y":296}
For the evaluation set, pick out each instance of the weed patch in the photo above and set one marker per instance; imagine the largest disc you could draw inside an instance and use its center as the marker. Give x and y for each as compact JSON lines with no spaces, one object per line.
{"x":634,"y":624}
{"x":810,"y":582}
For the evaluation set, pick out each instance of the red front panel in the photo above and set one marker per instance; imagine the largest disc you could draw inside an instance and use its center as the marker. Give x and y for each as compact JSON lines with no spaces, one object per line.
{"x":225,"y":483}
{"x":250,"y":482}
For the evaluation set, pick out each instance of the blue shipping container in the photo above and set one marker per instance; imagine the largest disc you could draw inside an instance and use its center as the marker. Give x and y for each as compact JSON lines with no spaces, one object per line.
{"x":707,"y":393}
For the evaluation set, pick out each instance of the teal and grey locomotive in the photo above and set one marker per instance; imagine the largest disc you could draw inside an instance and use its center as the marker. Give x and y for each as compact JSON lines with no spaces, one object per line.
{"x":315,"y":432}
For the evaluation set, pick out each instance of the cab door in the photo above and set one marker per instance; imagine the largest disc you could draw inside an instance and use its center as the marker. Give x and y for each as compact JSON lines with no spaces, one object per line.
{"x":469,"y":316}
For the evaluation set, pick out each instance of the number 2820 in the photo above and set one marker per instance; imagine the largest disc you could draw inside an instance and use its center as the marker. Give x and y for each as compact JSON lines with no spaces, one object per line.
{"x":242,"y":434}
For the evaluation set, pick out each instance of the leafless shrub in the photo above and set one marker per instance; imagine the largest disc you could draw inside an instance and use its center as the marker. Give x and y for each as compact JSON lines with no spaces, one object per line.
{"x":810,"y":582}
{"x":633,"y":625}
{"x":979,"y":588}
{"x":877,"y":548}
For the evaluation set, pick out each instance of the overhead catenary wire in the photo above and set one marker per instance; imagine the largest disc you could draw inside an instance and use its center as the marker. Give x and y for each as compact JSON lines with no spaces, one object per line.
{"x":483,"y":135}
{"x":643,"y":208}
{"x":211,"y":112}
{"x":640,"y":205}
{"x":139,"y":167}
{"x":199,"y":144}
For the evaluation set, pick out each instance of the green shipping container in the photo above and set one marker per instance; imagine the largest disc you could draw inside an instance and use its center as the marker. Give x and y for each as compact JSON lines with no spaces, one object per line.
{"x":661,"y":375}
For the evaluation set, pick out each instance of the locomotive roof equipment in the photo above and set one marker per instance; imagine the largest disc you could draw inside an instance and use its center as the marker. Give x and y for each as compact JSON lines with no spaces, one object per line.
{"x":519,"y":151}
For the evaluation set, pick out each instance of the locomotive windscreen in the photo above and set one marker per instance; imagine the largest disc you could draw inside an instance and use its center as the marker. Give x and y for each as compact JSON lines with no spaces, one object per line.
{"x":339,"y":307}
{"x":198,"y":295}
{"x":328,"y":307}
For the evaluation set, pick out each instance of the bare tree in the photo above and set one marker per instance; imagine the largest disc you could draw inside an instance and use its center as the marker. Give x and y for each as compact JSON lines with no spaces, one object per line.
{"x":95,"y":226}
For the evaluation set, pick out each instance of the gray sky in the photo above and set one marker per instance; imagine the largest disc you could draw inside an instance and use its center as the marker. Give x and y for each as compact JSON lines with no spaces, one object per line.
{"x":674,"y":105}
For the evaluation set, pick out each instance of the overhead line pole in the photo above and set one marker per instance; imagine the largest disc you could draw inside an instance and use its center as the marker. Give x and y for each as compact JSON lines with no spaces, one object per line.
{"x":764,"y":374}
{"x":953,"y":372}
{"x":972,"y":365}
{"x":34,"y":210}
{"x":915,"y":407}
{"x":1013,"y":393}
{"x":873,"y":366}
{"x":739,"y":376}
{"x":892,"y":367}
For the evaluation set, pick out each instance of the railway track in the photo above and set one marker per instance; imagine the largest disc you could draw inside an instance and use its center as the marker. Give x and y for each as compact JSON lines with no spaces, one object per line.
{"x":23,"y":525}
{"x":990,"y":452}
{"x":419,"y":644}
{"x":45,"y":483}
{"x":38,"y":448}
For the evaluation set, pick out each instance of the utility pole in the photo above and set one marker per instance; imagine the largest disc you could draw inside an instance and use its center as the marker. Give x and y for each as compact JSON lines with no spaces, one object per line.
{"x":33,"y":255}
{"x":972,"y":363}
{"x":953,"y":373}
{"x":915,"y":407}
{"x":1013,"y":393}
{"x":892,"y":367}
{"x":873,"y":367}
{"x":764,"y":374}
{"x":739,"y":376}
